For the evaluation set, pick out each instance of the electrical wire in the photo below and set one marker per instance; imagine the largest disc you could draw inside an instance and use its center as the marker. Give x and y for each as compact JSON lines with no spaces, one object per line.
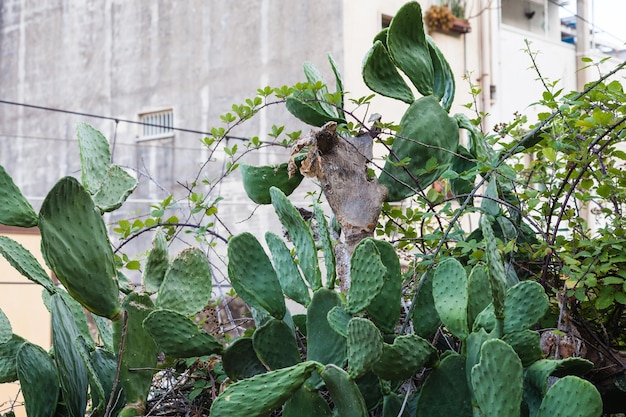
{"x":116,"y":119}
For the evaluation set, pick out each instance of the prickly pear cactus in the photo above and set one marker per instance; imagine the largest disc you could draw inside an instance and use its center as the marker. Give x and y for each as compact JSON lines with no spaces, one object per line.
{"x":75,"y":244}
{"x":404,"y":358}
{"x":259,"y":395}
{"x":385,"y":308}
{"x":367,"y":274}
{"x":187,"y":285}
{"x":178,"y":336}
{"x":275,"y":344}
{"x":138,"y":352}
{"x":448,"y":381}
{"x":156,"y":264}
{"x":344,"y":392}
{"x":301,"y":235}
{"x":497,"y":380}
{"x":365,"y":346}
{"x":450,"y":296}
{"x":572,"y":397}
{"x":15,"y":210}
{"x":39,"y":380}
{"x":287,"y":270}
{"x":324,"y":344}
{"x":253,"y":276}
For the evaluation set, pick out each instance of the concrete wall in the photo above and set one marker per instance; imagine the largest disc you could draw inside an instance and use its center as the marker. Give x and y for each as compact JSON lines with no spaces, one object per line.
{"x":118,"y":58}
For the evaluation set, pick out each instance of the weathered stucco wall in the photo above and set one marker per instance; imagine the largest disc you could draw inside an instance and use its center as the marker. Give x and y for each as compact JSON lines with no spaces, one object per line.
{"x":118,"y":58}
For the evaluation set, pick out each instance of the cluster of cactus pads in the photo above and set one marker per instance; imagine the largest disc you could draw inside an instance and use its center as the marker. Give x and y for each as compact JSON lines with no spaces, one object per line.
{"x":132,"y":327}
{"x":350,"y":354}
{"x":347,"y":347}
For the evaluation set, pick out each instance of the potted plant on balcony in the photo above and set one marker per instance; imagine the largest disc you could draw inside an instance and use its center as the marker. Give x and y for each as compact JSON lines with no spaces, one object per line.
{"x":448,"y":17}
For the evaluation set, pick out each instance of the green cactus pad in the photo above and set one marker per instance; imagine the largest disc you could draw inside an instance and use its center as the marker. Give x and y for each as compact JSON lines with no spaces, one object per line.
{"x":299,"y":323}
{"x":287,"y":271}
{"x":426,"y":131}
{"x":156,"y":264}
{"x":443,"y":86}
{"x":497,"y":275}
{"x":365,"y":346}
{"x":305,"y":403}
{"x":75,"y":244}
{"x":404,"y":358}
{"x":525,"y":304}
{"x":447,"y":381}
{"x":39,"y":380}
{"x":104,"y":365}
{"x":77,"y":311}
{"x":424,"y":316}
{"x":344,"y":392}
{"x":450,"y":296}
{"x":301,"y":236}
{"x":97,"y":394}
{"x":259,"y":395}
{"x":571,"y":397}
{"x":537,"y":374}
{"x":22,"y":260}
{"x":371,"y":390}
{"x":526,"y":345}
{"x":486,"y":319}
{"x":71,"y":368}
{"x":275,"y":345}
{"x":15,"y":209}
{"x":407,"y":45}
{"x":338,"y":318}
{"x":139,"y":350}
{"x":324,"y":344}
{"x":105,"y":332}
{"x":473,"y":344}
{"x":367,"y":276}
{"x":381,"y":76}
{"x":253,"y":276}
{"x":240,"y":360}
{"x":6,"y":331}
{"x":394,"y":403}
{"x":257,"y":181}
{"x":478,"y":292}
{"x":187,"y":285}
{"x":8,"y":354}
{"x":116,"y":186}
{"x":385,"y":307}
{"x":327,"y":245}
{"x":178,"y":336}
{"x":497,"y":380}
{"x":95,"y":156}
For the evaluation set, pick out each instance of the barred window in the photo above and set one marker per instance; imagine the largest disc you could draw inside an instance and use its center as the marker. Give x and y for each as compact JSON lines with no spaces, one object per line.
{"x":156,"y":125}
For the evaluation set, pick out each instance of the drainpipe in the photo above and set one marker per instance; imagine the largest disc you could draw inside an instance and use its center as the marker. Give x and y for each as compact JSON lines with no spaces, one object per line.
{"x":582,"y":43}
{"x":485,"y":59}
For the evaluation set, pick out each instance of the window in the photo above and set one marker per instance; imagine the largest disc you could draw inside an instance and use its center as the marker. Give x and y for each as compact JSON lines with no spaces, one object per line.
{"x":385,"y":21}
{"x":156,"y":125}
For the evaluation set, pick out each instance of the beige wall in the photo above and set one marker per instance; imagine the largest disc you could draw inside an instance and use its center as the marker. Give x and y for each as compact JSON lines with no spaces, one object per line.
{"x":20,"y":300}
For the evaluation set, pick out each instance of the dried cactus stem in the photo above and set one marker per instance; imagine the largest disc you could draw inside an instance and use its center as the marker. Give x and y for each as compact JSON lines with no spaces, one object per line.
{"x":355,"y":199}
